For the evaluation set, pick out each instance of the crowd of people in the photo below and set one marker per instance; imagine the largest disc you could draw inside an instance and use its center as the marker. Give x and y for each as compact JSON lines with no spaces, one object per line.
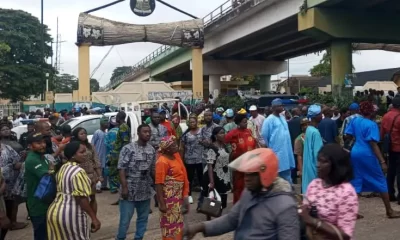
{"x":336,"y":155}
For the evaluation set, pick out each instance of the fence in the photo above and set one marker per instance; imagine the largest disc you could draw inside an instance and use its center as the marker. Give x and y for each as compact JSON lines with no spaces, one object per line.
{"x":8,"y":109}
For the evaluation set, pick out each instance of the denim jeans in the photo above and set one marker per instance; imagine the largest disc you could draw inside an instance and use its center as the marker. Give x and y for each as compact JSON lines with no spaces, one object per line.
{"x":39,"y":225}
{"x":126,"y":210}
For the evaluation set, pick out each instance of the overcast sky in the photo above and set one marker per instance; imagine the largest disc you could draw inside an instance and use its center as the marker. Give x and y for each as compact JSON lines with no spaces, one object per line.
{"x":129,"y":54}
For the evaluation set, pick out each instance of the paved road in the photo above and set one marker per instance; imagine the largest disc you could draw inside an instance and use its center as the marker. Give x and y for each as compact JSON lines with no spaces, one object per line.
{"x":374,"y":226}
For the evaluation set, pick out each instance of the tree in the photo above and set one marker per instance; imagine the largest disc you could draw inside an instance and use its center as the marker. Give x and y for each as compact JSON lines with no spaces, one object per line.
{"x":94,"y":85}
{"x":323,"y":69}
{"x":20,"y":70}
{"x":119,"y":71}
{"x":65,"y":83}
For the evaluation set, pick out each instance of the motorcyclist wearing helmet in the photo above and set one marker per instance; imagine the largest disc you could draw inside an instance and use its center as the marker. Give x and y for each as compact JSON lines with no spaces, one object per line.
{"x":267,"y":209}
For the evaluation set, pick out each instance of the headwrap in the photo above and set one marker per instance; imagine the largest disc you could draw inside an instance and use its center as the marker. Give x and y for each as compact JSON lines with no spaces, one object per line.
{"x":313,"y":111}
{"x":242,"y":111}
{"x":366,"y":108}
{"x":354,"y":107}
{"x":166,"y":142}
{"x":277,"y":102}
{"x":113,"y":120}
{"x":71,"y":149}
{"x":176,"y":119}
{"x":220,"y":109}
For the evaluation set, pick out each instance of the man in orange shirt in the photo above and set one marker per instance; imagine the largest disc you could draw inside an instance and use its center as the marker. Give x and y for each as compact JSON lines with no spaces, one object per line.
{"x":167,"y":124}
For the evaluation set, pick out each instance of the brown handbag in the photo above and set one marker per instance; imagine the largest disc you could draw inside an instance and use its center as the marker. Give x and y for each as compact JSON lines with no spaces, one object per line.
{"x":211,"y":207}
{"x":315,"y":235}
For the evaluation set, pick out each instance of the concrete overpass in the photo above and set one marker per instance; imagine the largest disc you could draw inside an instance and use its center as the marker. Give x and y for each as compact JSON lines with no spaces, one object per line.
{"x":257,"y":38}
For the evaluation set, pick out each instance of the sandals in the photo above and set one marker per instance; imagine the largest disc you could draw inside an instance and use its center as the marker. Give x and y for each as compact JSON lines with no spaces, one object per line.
{"x":393,"y":215}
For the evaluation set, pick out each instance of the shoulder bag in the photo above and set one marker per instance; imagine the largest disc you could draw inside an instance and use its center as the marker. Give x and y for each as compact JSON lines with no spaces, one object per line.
{"x":46,"y":190}
{"x":313,"y":235}
{"x":211,"y":205}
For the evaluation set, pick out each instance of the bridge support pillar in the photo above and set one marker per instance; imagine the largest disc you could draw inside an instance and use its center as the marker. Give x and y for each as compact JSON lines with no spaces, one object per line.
{"x":84,"y":73}
{"x":265,"y":83}
{"x":341,"y":64}
{"x":197,"y":73}
{"x":214,"y":85}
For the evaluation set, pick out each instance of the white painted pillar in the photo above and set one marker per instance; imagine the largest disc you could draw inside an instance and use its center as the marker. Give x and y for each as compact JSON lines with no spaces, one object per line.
{"x":214,"y":85}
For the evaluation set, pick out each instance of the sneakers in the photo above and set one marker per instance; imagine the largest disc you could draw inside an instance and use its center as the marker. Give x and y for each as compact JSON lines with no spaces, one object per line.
{"x":190,"y":200}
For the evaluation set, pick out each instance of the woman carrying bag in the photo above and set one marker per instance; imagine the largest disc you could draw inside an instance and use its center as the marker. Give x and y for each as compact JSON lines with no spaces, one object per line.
{"x":216,"y":173}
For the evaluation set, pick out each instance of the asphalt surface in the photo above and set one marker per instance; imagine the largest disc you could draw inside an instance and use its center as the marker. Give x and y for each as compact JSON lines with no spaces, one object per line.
{"x":375,"y":225}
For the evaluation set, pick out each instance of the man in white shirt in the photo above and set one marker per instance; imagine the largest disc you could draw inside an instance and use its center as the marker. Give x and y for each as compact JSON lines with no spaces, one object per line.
{"x":17,"y":122}
{"x":258,"y":121}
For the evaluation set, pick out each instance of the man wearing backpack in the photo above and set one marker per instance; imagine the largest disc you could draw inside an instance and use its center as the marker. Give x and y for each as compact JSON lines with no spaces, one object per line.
{"x":390,"y":127}
{"x":36,"y":166}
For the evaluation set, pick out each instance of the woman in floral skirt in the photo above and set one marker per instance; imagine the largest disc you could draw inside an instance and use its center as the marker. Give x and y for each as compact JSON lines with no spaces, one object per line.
{"x":172,"y":188}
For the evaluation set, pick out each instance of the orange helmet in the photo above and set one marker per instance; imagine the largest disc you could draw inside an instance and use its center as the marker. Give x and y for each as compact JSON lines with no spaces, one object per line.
{"x":261,"y":160}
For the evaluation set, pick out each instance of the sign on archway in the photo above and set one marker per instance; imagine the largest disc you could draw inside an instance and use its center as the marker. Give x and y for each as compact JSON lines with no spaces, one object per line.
{"x":143,"y":8}
{"x":96,"y":31}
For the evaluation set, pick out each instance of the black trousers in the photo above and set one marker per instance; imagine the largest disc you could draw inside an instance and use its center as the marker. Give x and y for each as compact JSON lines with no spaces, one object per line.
{"x":393,"y":174}
{"x":294,"y":171}
{"x":191,"y":170}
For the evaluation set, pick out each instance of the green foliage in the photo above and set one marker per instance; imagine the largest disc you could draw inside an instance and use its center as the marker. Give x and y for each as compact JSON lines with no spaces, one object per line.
{"x":119,"y":71}
{"x":328,"y":99}
{"x":94,"y":85}
{"x":4,"y":49}
{"x":21,"y":55}
{"x":323,"y":69}
{"x":240,"y":78}
{"x":234,"y":102}
{"x":67,"y":83}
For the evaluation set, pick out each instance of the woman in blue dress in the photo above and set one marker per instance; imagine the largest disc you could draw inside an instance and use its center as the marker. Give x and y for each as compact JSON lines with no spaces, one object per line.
{"x":368,"y":162}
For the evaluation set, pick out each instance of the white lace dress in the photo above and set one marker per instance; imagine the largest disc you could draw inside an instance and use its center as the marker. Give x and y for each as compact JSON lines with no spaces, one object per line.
{"x":222,"y":177}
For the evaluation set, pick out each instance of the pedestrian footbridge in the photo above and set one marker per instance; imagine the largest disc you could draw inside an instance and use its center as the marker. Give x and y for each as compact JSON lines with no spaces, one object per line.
{"x":258,"y":36}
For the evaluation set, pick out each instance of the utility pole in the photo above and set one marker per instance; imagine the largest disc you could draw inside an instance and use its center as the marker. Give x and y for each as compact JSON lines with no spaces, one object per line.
{"x":42,"y":51}
{"x":57,"y":62}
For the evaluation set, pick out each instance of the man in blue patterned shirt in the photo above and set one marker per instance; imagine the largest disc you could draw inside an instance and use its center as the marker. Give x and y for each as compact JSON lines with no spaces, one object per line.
{"x":136,"y":167}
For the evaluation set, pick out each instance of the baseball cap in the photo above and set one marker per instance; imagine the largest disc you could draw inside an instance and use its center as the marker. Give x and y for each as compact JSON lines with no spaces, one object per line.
{"x":34,"y":137}
{"x":354,"y":106}
{"x":277,"y":102}
{"x":253,"y":108}
{"x":229,"y":113}
{"x":396,"y":101}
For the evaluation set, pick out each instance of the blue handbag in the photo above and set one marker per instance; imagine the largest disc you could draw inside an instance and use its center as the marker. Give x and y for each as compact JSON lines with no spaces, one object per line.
{"x":47,"y":189}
